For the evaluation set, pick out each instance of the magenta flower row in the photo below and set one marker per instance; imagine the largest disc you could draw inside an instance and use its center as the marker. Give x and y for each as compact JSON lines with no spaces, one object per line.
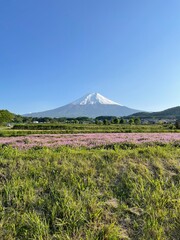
{"x":88,"y":140}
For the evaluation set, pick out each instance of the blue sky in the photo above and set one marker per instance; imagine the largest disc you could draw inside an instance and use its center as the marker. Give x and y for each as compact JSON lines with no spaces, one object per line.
{"x":53,"y":52}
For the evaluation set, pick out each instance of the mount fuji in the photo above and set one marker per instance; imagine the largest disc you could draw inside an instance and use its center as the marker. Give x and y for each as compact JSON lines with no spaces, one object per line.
{"x":91,"y":105}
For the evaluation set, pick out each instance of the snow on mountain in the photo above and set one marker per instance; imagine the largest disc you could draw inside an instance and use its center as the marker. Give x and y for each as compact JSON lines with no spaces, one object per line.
{"x":94,"y":98}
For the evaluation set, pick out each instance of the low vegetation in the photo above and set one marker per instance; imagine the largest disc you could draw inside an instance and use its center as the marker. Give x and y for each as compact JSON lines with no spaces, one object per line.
{"x":98,"y":187}
{"x":88,"y":140}
{"x":121,"y":191}
{"x":94,"y":128}
{"x":49,"y":128}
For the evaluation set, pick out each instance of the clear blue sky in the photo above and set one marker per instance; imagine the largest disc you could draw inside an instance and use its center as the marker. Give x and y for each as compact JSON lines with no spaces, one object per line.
{"x":55,"y":51}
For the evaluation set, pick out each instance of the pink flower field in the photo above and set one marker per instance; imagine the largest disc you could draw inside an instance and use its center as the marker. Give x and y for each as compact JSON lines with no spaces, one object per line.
{"x":87,"y":140}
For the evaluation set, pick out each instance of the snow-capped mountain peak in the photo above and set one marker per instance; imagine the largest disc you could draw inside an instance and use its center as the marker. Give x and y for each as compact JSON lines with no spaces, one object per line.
{"x":91,"y":105}
{"x":94,"y":98}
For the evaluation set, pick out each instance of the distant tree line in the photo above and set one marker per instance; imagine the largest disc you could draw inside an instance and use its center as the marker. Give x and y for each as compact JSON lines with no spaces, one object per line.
{"x":106,"y":120}
{"x":114,"y":120}
{"x":8,"y":117}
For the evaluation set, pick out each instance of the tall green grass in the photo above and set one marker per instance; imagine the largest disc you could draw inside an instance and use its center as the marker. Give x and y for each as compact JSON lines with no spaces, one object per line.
{"x":121,"y":192}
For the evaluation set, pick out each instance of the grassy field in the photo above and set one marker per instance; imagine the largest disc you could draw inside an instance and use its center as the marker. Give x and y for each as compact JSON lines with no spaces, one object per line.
{"x":121,"y":192}
{"x":26,"y":129}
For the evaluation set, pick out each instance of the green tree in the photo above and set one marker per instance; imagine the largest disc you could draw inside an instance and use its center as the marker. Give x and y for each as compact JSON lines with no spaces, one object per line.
{"x":76,"y":121}
{"x":116,"y":120}
{"x":18,"y":119}
{"x":137,"y":121}
{"x":105,"y":122}
{"x":131,"y":121}
{"x":122,"y":121}
{"x":96,"y":121}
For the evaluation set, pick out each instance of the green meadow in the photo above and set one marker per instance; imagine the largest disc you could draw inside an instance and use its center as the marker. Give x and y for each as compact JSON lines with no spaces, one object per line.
{"x":108,"y":193}
{"x":27,"y":129}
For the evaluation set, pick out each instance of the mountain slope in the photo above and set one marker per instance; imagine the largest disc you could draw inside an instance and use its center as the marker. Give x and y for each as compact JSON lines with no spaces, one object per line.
{"x":6,"y":116}
{"x":91,"y":105}
{"x":168,"y":113}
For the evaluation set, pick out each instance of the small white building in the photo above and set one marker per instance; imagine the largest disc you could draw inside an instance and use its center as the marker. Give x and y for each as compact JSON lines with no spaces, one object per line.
{"x":35,"y":122}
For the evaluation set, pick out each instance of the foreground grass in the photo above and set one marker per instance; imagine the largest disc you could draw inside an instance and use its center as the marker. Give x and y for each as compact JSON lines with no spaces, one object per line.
{"x":121,"y":192}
